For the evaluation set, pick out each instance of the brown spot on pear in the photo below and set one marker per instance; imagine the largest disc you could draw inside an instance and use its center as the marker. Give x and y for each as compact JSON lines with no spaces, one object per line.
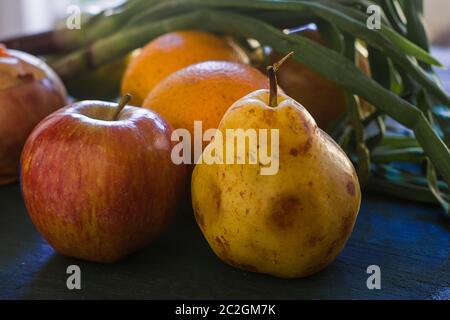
{"x":198,"y":215}
{"x":293,"y":152}
{"x":351,"y":188}
{"x":285,"y":211}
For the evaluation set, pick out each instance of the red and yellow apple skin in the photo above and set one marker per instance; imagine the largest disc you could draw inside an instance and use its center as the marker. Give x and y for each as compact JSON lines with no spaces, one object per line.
{"x":24,"y":101}
{"x":21,"y":108}
{"x":100,"y":189}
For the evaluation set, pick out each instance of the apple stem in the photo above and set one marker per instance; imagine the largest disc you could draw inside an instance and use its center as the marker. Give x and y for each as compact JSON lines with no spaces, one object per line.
{"x":122,"y":103}
{"x":272,"y":71}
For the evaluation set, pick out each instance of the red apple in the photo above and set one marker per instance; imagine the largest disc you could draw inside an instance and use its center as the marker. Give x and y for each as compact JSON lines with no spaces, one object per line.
{"x":29,"y":91}
{"x":98,"y":182}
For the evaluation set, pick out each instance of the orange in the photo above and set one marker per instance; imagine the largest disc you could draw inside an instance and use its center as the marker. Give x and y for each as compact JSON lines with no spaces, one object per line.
{"x":204,"y":92}
{"x":324,"y":99}
{"x":171,"y":52}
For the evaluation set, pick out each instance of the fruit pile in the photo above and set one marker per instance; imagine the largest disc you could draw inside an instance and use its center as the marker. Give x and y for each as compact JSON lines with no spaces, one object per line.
{"x":91,"y":187}
{"x":99,"y":179}
{"x":373,"y":77}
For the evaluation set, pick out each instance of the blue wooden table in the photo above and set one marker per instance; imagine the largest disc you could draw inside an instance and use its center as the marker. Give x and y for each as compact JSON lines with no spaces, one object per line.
{"x":410,"y":243}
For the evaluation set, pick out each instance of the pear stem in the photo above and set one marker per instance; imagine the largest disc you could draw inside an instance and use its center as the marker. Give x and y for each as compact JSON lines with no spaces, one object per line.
{"x":272,"y":72}
{"x":122,"y":103}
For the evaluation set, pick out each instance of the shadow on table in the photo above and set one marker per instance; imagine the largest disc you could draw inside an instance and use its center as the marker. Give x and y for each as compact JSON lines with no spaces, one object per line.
{"x":182,"y":266}
{"x":409,"y":242}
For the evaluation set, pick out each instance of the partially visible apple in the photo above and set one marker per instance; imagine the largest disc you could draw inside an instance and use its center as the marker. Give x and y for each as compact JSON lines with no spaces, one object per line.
{"x":29,"y":91}
{"x":98,"y":180}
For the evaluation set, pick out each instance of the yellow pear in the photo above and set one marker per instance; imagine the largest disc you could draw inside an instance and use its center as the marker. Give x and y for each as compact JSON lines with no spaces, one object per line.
{"x":290,"y":222}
